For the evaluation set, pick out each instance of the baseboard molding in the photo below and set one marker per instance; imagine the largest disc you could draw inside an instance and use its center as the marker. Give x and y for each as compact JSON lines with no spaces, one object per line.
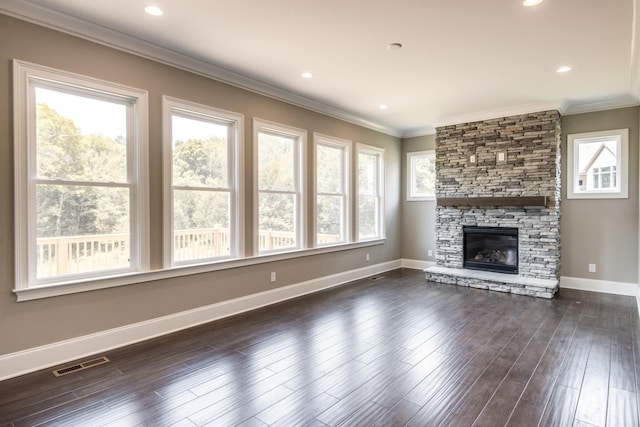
{"x":22,"y":362}
{"x":603,"y":286}
{"x":417,"y":264}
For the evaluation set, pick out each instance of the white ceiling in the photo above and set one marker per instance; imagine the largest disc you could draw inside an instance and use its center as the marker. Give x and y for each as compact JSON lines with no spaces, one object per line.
{"x":461,"y":60}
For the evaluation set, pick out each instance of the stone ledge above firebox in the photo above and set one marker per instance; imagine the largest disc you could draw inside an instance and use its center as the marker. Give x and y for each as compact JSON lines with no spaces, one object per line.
{"x":515,"y":284}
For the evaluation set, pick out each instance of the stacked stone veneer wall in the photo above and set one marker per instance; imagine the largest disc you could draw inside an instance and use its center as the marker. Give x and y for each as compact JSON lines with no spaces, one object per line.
{"x":532,"y":168}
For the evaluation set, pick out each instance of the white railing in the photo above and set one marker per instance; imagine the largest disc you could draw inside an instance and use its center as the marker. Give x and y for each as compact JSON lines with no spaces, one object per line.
{"x":78,"y":254}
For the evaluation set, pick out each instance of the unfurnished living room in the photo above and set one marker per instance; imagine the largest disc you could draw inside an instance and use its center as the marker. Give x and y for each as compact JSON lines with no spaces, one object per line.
{"x":349,"y":213}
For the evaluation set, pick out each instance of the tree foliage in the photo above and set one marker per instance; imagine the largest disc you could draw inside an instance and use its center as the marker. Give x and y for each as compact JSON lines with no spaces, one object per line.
{"x":63,"y":153}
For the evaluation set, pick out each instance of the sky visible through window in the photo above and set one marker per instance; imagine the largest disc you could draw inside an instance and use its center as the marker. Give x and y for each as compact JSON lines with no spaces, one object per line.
{"x":90,"y":115}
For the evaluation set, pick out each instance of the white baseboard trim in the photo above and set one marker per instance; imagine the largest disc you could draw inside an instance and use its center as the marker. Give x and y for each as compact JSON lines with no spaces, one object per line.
{"x":22,"y":362}
{"x":417,"y":264}
{"x":603,"y":286}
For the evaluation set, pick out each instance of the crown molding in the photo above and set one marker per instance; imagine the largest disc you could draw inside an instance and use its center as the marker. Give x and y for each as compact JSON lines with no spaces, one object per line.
{"x":591,"y":106}
{"x":90,"y":31}
{"x":516,"y":110}
{"x":421,"y":131}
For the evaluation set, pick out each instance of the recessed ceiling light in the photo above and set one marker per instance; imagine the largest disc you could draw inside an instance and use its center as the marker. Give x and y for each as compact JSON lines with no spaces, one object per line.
{"x":563,"y":69}
{"x":154,"y":10}
{"x":394,"y":46}
{"x":307,"y":75}
{"x":531,"y":2}
{"x":383,"y":106}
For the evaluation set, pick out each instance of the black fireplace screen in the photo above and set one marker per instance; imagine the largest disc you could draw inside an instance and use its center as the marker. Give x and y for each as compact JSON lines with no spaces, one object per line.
{"x":491,"y":249}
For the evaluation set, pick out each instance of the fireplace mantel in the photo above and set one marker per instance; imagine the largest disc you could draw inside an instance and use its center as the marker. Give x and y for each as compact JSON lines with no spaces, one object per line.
{"x":535,"y":201}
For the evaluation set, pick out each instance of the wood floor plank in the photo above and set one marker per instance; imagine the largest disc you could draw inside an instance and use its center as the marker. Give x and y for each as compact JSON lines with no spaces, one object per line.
{"x":396,"y":351}
{"x":561,"y":409}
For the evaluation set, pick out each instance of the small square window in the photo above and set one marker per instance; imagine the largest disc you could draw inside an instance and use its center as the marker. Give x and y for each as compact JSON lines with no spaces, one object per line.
{"x":421,"y":175}
{"x":597,"y":165}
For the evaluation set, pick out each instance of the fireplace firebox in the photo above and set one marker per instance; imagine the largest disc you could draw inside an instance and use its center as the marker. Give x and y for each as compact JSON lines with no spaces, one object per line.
{"x":491,"y":249}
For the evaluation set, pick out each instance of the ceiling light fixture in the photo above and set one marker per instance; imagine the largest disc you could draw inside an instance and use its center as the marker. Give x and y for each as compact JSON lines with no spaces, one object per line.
{"x":383,"y":106}
{"x":154,"y":10}
{"x":307,"y":75}
{"x":563,"y":69}
{"x":531,"y":2}
{"x":394,"y":46}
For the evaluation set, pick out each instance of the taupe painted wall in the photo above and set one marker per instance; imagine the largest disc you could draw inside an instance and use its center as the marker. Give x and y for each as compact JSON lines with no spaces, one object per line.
{"x":34,"y":323}
{"x":601,"y":231}
{"x":418,"y":217}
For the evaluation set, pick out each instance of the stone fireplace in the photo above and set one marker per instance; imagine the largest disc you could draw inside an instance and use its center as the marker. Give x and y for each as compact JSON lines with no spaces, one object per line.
{"x":500,"y":174}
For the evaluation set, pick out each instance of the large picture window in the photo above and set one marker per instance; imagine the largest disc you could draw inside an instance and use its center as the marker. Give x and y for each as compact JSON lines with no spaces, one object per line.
{"x":332,"y":170}
{"x":597,"y":164}
{"x":370,"y":204}
{"x":81,"y":190}
{"x":202,"y":214}
{"x":279,"y":154}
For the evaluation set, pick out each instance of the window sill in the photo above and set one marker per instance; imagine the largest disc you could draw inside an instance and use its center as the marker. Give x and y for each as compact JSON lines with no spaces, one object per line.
{"x":72,"y":287}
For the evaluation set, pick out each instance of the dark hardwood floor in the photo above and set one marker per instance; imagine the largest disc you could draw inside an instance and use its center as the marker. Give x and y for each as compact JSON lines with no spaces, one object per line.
{"x":392,"y":352}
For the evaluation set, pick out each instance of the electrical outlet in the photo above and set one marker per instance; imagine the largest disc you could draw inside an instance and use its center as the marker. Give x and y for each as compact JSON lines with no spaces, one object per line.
{"x":472,"y":158}
{"x":592,"y":268}
{"x":367,"y":258}
{"x":273,"y":276}
{"x":429,"y":252}
{"x":501,"y":157}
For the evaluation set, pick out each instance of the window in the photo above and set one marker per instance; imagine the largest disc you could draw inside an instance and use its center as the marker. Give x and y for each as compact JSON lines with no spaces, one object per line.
{"x":279,"y":155}
{"x":421,"y":175}
{"x":202,"y":183}
{"x":332,"y":190}
{"x":597,"y":164}
{"x":81,"y":186}
{"x":370,"y":215}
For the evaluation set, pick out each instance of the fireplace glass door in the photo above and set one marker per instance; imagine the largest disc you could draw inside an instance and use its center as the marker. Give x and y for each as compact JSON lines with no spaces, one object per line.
{"x":491,"y":249}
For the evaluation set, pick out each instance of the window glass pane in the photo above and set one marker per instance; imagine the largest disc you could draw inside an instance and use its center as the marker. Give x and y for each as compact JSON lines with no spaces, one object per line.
{"x":276,"y":221}
{"x":79,"y":137}
{"x":367,"y":216}
{"x":329,"y":169}
{"x":600,"y":157}
{"x":200,"y":153}
{"x":201,"y":224}
{"x":276,"y":162}
{"x":424,"y":178}
{"x":81,"y":229}
{"x":330,"y":215}
{"x":367,"y":173}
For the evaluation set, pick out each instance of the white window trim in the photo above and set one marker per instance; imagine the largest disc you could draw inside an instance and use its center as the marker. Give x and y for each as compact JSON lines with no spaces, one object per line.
{"x":25,"y":74}
{"x":236,"y":174}
{"x":622,"y":135}
{"x":368,"y":149}
{"x":411,"y":175}
{"x":300,"y":135}
{"x":346,"y":146}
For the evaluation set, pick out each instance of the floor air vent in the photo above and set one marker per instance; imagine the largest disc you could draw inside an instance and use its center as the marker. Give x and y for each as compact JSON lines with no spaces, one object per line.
{"x":374,"y":278}
{"x":80,"y":366}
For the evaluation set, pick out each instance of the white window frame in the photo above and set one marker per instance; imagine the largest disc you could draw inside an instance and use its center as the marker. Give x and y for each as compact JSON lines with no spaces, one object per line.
{"x":412,"y":194}
{"x":345,"y":192}
{"x":235,"y":123}
{"x":26,"y":76}
{"x":300,"y":185}
{"x":622,"y":170}
{"x":380,"y":187}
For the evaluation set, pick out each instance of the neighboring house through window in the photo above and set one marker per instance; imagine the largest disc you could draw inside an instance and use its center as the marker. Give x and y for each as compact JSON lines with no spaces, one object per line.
{"x":597,"y":164}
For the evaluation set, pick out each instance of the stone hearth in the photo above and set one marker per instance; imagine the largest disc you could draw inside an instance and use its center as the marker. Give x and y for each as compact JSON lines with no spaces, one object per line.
{"x":530,"y":168}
